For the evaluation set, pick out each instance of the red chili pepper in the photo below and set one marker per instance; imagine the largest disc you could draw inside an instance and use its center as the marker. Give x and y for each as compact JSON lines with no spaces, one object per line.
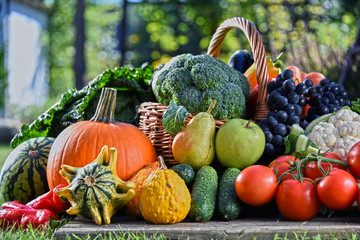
{"x":14,"y":205}
{"x":50,"y":201}
{"x":24,"y":217}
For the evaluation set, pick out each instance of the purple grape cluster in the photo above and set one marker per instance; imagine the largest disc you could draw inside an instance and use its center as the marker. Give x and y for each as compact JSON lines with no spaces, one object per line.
{"x":286,"y":100}
{"x":327,"y":97}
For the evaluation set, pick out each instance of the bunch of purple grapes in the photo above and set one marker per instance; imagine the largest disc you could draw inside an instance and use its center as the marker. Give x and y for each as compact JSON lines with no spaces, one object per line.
{"x":286,"y":100}
{"x":327,"y":97}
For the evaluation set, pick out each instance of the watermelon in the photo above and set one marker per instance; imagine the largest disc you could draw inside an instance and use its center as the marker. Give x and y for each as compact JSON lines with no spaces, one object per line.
{"x":23,"y":176}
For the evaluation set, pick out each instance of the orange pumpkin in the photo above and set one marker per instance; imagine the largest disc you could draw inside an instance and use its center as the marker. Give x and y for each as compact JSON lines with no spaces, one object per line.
{"x":316,"y":77}
{"x":132,"y":208}
{"x":79,"y":144}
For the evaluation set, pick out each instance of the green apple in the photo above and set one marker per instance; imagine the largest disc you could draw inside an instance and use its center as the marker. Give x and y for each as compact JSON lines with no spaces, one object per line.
{"x":239,"y":143}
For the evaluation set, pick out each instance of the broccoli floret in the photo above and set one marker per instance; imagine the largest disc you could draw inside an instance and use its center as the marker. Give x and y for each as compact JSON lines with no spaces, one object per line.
{"x":243,"y":82}
{"x":207,"y":76}
{"x":193,"y":81}
{"x":177,"y":79}
{"x":192,"y":103}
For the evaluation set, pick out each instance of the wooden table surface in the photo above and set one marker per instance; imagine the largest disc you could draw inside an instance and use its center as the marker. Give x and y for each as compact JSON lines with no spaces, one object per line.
{"x":265,"y":227}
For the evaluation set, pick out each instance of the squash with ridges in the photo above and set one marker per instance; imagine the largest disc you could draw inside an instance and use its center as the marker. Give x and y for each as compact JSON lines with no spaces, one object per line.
{"x":164,"y":199}
{"x":133,"y":207}
{"x":96,"y":192}
{"x":23,"y":175}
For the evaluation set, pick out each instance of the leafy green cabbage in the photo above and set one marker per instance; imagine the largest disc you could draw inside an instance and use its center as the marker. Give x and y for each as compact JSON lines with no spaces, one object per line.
{"x":133,"y":85}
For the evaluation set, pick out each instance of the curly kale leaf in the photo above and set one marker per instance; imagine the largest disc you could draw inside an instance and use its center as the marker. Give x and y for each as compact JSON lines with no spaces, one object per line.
{"x":133,"y":85}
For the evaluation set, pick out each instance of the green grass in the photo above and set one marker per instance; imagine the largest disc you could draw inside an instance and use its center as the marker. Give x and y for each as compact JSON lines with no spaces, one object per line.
{"x":45,"y":234}
{"x":5,"y":150}
{"x":33,"y":234}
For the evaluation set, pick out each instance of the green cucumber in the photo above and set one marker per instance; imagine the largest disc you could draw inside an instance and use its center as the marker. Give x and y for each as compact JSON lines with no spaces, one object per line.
{"x":203,"y":194}
{"x":302,"y":143}
{"x":186,"y":172}
{"x":295,"y":129}
{"x":228,"y":203}
{"x":305,"y":146}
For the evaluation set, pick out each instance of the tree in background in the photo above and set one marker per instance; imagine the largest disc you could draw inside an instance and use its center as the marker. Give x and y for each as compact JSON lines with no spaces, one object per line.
{"x":3,"y":82}
{"x":61,"y":48}
{"x":172,"y":28}
{"x":80,"y":38}
{"x":314,"y":35}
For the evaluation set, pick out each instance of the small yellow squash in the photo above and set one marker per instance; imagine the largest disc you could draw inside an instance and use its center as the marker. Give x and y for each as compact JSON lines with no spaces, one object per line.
{"x":165,"y":197}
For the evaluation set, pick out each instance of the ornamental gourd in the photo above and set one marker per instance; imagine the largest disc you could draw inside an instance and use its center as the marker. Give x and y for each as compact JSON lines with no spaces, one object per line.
{"x":23,"y":175}
{"x":133,"y":207}
{"x":164,"y":197}
{"x":96,"y":192}
{"x":79,"y":143}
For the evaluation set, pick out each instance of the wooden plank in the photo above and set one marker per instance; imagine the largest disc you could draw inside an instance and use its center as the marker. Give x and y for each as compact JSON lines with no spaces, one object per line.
{"x":247,"y":228}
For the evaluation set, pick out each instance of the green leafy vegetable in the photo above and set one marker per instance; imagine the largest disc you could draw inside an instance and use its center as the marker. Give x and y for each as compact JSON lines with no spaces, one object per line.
{"x":291,"y":139}
{"x":133,"y":85}
{"x":355,"y":106}
{"x":174,"y":118}
{"x":290,"y":143}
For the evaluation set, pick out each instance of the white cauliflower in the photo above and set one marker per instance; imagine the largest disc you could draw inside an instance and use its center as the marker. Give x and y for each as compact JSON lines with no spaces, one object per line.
{"x":324,"y":135}
{"x":342,"y":116}
{"x":343,"y":145}
{"x":351,"y":128}
{"x":357,"y":118}
{"x":339,"y":133}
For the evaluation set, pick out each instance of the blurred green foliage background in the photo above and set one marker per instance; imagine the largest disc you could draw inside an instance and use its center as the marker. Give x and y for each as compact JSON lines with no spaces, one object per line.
{"x":314,"y":35}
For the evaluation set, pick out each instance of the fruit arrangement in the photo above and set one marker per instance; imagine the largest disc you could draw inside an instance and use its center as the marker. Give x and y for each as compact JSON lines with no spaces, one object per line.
{"x":304,"y":155}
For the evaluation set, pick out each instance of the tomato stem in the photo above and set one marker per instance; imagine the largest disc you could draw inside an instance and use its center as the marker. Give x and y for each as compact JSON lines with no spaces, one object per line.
{"x":318,"y":158}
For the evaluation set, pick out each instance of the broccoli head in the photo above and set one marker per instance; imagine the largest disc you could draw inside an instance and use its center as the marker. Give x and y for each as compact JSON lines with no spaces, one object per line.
{"x":193,"y":81}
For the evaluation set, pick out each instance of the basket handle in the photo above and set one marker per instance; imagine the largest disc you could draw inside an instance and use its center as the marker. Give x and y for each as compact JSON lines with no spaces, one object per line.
{"x":257,"y":47}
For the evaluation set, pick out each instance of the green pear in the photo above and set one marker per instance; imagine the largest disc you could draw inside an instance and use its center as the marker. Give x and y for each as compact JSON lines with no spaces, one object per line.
{"x":195,"y":144}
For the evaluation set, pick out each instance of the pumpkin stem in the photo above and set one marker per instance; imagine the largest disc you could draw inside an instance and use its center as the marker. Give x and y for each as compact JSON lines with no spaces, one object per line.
{"x":105,"y":111}
{"x":162,"y":163}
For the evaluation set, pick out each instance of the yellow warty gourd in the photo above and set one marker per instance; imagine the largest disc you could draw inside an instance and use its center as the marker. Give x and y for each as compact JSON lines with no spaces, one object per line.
{"x":165,"y":197}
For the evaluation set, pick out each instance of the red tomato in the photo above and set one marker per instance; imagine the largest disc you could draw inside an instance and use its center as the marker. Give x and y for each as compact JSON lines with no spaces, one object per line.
{"x":338,"y":190}
{"x":312,"y":169}
{"x":353,"y":159}
{"x":256,"y":185}
{"x":282,"y":164}
{"x":298,"y":200}
{"x":358,"y":199}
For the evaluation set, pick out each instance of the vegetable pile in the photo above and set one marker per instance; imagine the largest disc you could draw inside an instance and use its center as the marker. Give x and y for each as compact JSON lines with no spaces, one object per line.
{"x":301,"y":161}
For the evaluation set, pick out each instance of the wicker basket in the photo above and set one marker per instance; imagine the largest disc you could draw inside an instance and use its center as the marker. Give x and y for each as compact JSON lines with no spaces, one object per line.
{"x":150,"y":113}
